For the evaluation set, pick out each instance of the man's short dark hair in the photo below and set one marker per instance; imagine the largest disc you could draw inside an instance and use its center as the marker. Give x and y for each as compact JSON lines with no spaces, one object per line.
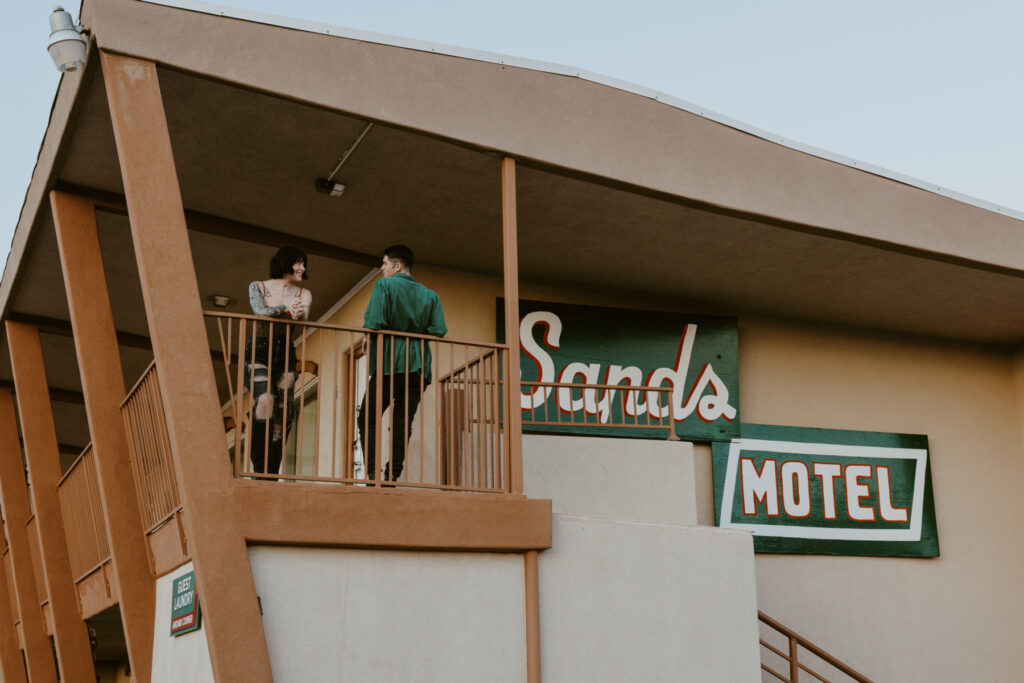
{"x":400,"y":252}
{"x":285,"y":259}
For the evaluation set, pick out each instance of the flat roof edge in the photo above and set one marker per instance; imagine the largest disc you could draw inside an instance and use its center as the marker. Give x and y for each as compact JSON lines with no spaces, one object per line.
{"x":574,"y":72}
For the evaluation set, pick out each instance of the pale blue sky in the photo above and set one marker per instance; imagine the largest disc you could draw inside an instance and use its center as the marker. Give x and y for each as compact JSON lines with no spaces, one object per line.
{"x":930,"y":89}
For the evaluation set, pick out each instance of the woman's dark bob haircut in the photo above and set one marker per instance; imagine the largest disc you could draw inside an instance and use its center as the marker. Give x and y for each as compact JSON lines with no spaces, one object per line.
{"x":285,"y":259}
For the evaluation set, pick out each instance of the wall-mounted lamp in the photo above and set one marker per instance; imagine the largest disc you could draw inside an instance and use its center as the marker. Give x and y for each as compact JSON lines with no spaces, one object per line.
{"x":220,"y":300}
{"x":67,"y":46}
{"x":329,"y":187}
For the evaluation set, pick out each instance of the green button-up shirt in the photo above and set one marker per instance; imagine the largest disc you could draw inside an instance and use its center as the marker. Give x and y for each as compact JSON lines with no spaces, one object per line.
{"x":401,"y":304}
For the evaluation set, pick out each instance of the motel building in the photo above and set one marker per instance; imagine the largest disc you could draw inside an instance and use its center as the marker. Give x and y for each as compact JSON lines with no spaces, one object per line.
{"x":712,"y":406}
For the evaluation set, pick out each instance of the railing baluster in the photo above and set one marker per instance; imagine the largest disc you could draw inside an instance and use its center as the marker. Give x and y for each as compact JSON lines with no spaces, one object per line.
{"x":464,"y":409}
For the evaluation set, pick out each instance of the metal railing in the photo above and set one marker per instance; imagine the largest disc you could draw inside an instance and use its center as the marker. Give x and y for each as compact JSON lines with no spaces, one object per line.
{"x":793,"y":644}
{"x":79,"y":495}
{"x":149,"y":450}
{"x":599,"y":406}
{"x":322,"y":405}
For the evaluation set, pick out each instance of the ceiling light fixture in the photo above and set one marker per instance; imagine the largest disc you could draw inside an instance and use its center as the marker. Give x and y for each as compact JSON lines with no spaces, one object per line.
{"x":327,"y":185}
{"x":220,"y":300}
{"x":67,"y":46}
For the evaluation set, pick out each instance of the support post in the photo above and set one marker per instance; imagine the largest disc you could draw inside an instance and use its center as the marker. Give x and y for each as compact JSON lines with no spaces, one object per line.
{"x":227,"y":593}
{"x":70,"y":634}
{"x":510,"y":248}
{"x":11,"y":668}
{"x":532,"y":617}
{"x":99,"y":362}
{"x":38,"y":654}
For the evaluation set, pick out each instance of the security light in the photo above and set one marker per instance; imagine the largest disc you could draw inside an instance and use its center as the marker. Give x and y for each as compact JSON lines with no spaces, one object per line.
{"x":67,"y":46}
{"x":329,"y":187}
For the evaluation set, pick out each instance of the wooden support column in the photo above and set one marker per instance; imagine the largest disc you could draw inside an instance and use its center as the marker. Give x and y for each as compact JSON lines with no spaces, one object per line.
{"x":532,"y":617}
{"x":99,"y":362}
{"x":11,"y":668}
{"x":227,"y":593}
{"x":38,"y":654}
{"x":70,"y":634}
{"x":510,"y":242}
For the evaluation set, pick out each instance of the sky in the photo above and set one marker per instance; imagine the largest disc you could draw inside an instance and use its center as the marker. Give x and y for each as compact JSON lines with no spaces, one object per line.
{"x":930,"y":89}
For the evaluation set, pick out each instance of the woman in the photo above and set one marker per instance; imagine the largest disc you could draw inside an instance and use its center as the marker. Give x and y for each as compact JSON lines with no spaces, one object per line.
{"x":268,"y":358}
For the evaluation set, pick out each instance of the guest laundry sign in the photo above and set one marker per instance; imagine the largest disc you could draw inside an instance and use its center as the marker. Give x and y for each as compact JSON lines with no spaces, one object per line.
{"x":184,"y":604}
{"x":693,"y":356}
{"x":827,"y":491}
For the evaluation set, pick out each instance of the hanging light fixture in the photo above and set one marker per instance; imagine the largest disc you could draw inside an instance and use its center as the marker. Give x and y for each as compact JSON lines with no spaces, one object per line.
{"x":67,"y":45}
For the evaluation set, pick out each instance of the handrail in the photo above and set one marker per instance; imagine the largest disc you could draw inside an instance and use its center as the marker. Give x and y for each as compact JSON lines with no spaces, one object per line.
{"x":448,"y":435}
{"x":149,"y":450}
{"x":349,"y":328}
{"x":79,"y":496}
{"x":625,"y":421}
{"x":142,"y":378}
{"x":797,"y":641}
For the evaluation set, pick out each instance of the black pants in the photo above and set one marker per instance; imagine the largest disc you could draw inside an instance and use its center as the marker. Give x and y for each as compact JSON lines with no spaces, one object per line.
{"x":266,"y":451}
{"x":407,"y":392}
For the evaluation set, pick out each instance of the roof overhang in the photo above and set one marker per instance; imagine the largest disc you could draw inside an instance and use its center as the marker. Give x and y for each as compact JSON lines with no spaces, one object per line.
{"x":617,"y":191}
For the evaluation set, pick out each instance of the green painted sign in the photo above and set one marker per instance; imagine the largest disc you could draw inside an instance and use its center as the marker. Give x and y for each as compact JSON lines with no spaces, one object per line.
{"x":184,"y":604}
{"x":694,"y":356}
{"x":826,"y":491}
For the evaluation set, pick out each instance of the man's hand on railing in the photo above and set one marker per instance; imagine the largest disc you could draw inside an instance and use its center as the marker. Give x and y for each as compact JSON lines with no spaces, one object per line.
{"x":366,"y":344}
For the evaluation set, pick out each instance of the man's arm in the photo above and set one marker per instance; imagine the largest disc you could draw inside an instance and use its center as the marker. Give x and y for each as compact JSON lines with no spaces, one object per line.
{"x":376,"y":315}
{"x":436,"y":326}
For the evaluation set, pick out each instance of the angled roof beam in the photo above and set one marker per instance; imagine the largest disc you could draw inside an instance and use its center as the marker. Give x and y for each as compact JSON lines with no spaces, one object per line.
{"x":58,"y":395}
{"x":63,"y":328}
{"x":225,"y":227}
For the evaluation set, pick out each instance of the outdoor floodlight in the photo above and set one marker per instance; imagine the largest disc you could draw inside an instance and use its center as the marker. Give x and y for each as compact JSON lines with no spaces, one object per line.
{"x":329,"y":187}
{"x":67,"y":46}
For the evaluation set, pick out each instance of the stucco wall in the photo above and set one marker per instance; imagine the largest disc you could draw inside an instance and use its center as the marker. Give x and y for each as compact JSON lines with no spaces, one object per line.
{"x":182,"y":658}
{"x":892,"y":618}
{"x":953,"y":618}
{"x":364,"y":615}
{"x":628,"y":591}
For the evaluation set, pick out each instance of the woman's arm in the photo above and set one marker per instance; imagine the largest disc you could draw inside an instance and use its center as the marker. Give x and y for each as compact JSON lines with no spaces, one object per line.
{"x":259,"y":306}
{"x":302,"y":306}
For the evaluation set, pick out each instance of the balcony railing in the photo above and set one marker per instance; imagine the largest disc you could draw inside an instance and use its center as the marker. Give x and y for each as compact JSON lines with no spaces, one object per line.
{"x":562,"y":405}
{"x":310,"y":426}
{"x":149,"y":450}
{"x":79,"y":495}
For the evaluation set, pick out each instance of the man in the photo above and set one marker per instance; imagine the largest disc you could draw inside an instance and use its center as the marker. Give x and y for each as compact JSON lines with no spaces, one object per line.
{"x":401,"y":304}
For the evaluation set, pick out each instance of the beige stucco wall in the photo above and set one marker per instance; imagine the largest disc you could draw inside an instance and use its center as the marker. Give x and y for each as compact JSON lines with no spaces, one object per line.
{"x":629,"y":591}
{"x":364,"y":615}
{"x":954,"y":618}
{"x":639,"y":480}
{"x":182,"y":658}
{"x":892,"y":618}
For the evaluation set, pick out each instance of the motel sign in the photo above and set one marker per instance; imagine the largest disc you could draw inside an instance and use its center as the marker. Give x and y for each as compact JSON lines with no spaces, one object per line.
{"x":827,"y":491}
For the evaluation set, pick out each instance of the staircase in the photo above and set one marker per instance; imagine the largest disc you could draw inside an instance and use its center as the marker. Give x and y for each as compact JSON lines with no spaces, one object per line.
{"x":780,"y":643}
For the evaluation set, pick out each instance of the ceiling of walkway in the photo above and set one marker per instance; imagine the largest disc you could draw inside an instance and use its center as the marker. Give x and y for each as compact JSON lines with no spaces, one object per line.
{"x":247,"y":162}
